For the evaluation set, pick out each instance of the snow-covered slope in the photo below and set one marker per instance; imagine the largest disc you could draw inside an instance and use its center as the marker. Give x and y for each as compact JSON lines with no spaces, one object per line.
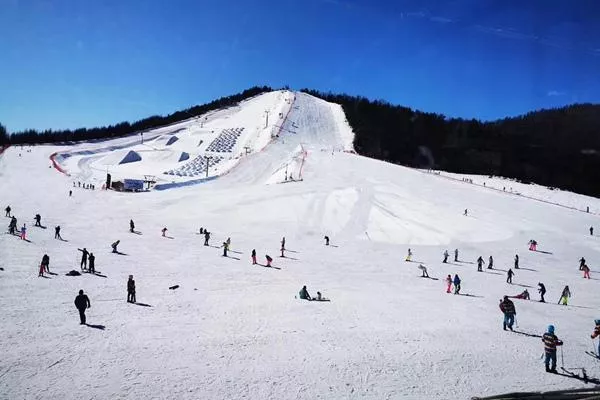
{"x":232,"y":330}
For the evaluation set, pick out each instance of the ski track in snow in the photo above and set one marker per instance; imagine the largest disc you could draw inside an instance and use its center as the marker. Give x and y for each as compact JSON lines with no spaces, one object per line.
{"x":233,"y":330}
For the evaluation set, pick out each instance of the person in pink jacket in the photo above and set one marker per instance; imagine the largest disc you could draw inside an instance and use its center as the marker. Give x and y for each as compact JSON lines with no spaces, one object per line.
{"x":449,"y":283}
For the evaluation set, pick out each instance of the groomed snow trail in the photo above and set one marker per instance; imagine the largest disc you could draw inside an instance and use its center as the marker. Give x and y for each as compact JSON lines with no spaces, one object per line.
{"x":233,"y":330}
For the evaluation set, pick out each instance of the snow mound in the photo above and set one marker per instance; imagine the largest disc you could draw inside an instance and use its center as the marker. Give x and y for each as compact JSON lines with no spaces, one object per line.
{"x":131,"y":156}
{"x":171,"y":140}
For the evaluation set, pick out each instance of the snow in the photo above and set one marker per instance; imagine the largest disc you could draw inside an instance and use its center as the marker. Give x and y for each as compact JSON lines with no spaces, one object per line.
{"x":233,"y":330}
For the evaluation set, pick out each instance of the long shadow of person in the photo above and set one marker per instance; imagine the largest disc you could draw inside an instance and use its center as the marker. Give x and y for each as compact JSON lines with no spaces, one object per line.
{"x":101,"y":327}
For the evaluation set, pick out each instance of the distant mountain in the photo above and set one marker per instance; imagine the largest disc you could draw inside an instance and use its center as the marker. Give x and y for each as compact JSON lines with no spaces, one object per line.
{"x":556,"y":147}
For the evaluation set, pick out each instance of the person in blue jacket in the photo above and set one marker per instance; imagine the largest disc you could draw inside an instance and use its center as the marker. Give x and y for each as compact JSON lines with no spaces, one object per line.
{"x":456,"y":284}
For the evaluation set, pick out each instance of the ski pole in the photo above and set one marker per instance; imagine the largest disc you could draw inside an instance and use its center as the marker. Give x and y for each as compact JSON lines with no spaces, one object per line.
{"x":594,"y":348}
{"x":516,"y":322}
{"x":562,"y":357}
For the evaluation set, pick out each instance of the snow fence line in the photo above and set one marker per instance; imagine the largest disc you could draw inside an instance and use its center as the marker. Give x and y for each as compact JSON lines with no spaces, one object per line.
{"x":165,"y":186}
{"x":56,"y":165}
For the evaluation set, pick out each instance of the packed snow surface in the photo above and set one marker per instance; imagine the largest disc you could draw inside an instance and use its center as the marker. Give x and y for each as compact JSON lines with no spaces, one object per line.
{"x":232,"y":330}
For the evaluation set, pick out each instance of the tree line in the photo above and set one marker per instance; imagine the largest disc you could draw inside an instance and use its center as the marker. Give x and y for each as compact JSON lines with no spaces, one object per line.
{"x":557,"y":147}
{"x":32,"y":136}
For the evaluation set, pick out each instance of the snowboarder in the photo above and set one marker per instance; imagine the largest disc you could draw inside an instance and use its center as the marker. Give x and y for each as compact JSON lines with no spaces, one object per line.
{"x":480,"y":263}
{"x":130,"y":290}
{"x":586,"y":271}
{"x":7,"y":209}
{"x":206,"y":237}
{"x":92,"y":263}
{"x":550,"y":343}
{"x":304,"y":294}
{"x":23,"y":232}
{"x":509,"y":276}
{"x":114,"y":246}
{"x":269,"y":259}
{"x":423,"y":271}
{"x":448,"y":283}
{"x":456,"y":284}
{"x":45,"y":264}
{"x":523,"y":296}
{"x":164,"y":231}
{"x":409,"y":256}
{"x":564,"y":297}
{"x":491,"y":263}
{"x":225,"y":248}
{"x":326,"y":240}
{"x":532,"y":245}
{"x":591,"y":231}
{"x":508,"y":309}
{"x":82,"y":302}
{"x":253,"y":256}
{"x":516,"y":261}
{"x":131,"y":226}
{"x":541,"y":291}
{"x":455,"y":255}
{"x":38,"y":220}
{"x":84,"y":258}
{"x":57,"y":232}
{"x":446,"y":255}
{"x":581,"y":263}
{"x":596,"y":333}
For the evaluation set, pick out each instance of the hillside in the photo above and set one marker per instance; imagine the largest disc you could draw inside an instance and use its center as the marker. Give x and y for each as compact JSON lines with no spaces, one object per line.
{"x":232,"y":330}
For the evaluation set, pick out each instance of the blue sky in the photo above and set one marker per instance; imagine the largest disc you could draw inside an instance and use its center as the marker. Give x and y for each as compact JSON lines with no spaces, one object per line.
{"x":67,"y":64}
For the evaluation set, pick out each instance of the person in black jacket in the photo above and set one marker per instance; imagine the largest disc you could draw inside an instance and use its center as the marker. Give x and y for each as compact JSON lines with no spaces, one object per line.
{"x":542,"y":291}
{"x":206,"y":237}
{"x":46,"y":263}
{"x":92,"y":263}
{"x":38,"y":220}
{"x":82,"y":302}
{"x":131,"y":226}
{"x":131,"y":290}
{"x":84,"y":258}
{"x":7,"y":209}
{"x":57,"y":232}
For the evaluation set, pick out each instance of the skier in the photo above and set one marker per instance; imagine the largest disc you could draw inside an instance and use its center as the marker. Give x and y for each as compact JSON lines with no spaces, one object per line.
{"x":84,"y":258}
{"x":516,"y":261}
{"x":586,"y":271}
{"x":480,"y":264}
{"x":491,"y":263}
{"x":423,"y":271}
{"x":448,"y":283}
{"x":225,"y":248}
{"x":550,"y":342}
{"x":269,"y":259}
{"x":114,"y":246}
{"x":304,"y":294}
{"x":522,"y":296}
{"x":206,"y":237}
{"x":541,"y":291}
{"x":57,"y":232}
{"x":131,"y":290}
{"x":23,"y":232}
{"x":591,"y":231}
{"x":596,"y":333}
{"x":38,"y":220}
{"x":455,"y":255}
{"x":12,"y":226}
{"x":253,"y":256}
{"x":409,"y":256}
{"x":283,"y":247}
{"x":509,"y":276}
{"x":508,"y":308}
{"x":228,"y":241}
{"x":92,"y":264}
{"x":581,"y":263}
{"x":466,"y":212}
{"x":446,"y":255}
{"x":456,"y":284}
{"x":326,"y":240}
{"x":131,"y":226}
{"x":82,"y":302}
{"x":164,"y":231}
{"x":532,"y":245}
{"x":45,"y":264}
{"x":564,"y":297}
{"x":70,"y":193}
{"x":7,"y":209}
{"x":201,"y":230}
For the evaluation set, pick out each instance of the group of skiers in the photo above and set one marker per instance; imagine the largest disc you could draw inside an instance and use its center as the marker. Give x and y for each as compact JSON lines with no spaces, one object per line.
{"x":88,"y":261}
{"x":85,"y":185}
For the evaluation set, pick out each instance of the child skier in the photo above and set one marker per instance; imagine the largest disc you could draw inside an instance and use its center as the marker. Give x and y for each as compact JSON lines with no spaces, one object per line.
{"x":564,"y":298}
{"x":586,"y":271}
{"x":456,"y":284}
{"x":455,"y":255}
{"x":550,"y":343}
{"x":84,"y":258}
{"x":448,"y":283}
{"x":409,"y":255}
{"x":480,"y":263}
{"x":532,"y":245}
{"x":269,"y":259}
{"x":23,"y":232}
{"x":253,"y":256}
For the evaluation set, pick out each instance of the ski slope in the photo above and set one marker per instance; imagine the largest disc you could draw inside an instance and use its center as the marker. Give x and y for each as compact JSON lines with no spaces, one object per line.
{"x":232,"y":330}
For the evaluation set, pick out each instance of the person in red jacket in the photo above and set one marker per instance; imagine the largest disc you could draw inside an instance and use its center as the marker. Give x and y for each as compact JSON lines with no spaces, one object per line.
{"x":550,"y":343}
{"x":508,"y":309}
